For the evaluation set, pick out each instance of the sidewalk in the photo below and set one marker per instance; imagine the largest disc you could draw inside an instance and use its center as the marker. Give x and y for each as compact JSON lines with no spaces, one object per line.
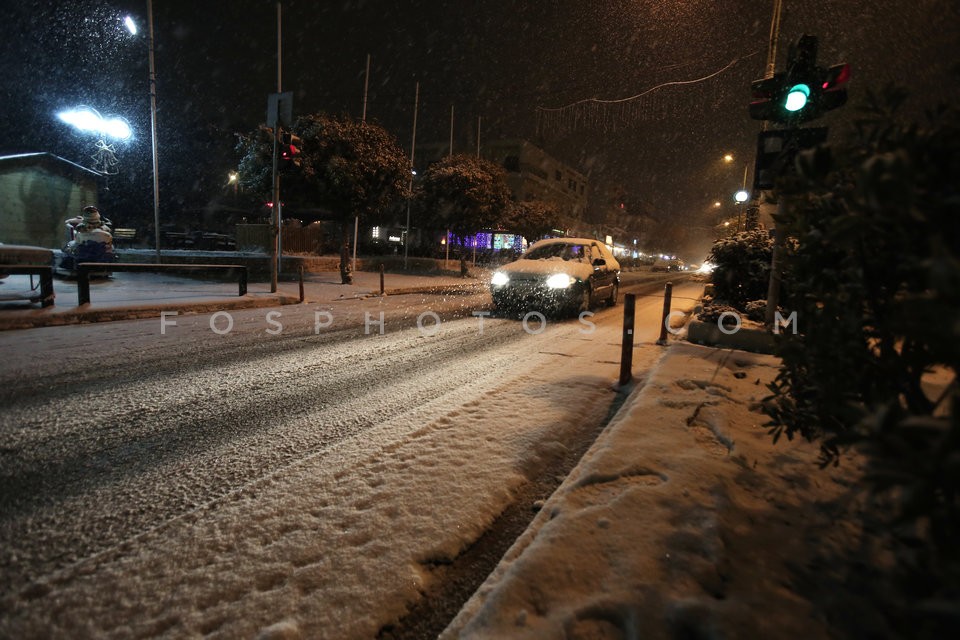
{"x":130,"y":295}
{"x":683,"y":520}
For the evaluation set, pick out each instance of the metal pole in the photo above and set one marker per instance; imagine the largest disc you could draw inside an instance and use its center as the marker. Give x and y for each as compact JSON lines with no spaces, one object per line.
{"x":776,"y":258}
{"x":774,"y":38}
{"x":626,"y":349}
{"x":366,"y":86}
{"x":363,"y":118}
{"x":275,"y":210}
{"x":153,"y":131}
{"x":356,"y":233}
{"x":667,"y":297}
{"x":279,"y":200}
{"x":413,"y":147}
{"x":274,"y":215}
{"x":479,"y":118}
{"x":451,"y":132}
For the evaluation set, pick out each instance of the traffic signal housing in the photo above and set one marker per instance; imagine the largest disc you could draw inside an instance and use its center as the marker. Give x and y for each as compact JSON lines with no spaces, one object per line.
{"x":803,"y":92}
{"x":290,"y":146}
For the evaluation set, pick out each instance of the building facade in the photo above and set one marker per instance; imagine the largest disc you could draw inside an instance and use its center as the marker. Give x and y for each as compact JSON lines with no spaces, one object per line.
{"x":533,"y":174}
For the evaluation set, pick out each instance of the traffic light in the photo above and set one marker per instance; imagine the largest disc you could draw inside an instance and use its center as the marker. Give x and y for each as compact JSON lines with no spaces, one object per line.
{"x":290,"y":146}
{"x":803,"y":92}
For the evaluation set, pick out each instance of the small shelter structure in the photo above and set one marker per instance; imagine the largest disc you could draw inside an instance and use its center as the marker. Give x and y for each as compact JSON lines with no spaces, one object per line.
{"x":38,"y":191}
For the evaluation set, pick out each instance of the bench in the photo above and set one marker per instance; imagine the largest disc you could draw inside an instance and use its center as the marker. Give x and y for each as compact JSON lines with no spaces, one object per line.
{"x":32,"y":261}
{"x":124,"y":235}
{"x":85,"y":268}
{"x":177,"y":239}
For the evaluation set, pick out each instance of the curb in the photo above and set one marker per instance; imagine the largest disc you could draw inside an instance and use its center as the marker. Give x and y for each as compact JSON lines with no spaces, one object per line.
{"x":51,"y":317}
{"x":710,"y":335}
{"x":54,"y":317}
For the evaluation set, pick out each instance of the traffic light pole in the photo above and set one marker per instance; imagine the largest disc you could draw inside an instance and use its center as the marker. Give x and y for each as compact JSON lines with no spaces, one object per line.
{"x":774,"y":38}
{"x":776,"y":269}
{"x":275,"y":214}
{"x":275,"y":209}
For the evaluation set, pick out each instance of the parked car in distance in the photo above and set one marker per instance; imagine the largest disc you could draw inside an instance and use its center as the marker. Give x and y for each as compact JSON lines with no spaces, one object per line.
{"x":667,"y":265}
{"x":557,"y":275}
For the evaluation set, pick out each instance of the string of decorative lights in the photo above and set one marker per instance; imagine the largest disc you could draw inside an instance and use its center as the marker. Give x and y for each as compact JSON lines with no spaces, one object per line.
{"x":611,"y":114}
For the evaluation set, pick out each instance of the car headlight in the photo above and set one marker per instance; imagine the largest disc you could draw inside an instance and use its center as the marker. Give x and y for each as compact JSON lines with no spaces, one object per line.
{"x":560,"y":281}
{"x":499,"y":279}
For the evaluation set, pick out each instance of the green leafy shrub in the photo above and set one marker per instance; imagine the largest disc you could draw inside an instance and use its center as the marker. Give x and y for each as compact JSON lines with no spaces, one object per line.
{"x":741,"y":267}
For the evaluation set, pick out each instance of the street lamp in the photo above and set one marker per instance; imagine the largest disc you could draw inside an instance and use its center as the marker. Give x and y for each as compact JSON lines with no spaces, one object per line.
{"x":741,"y":197}
{"x":88,"y":120}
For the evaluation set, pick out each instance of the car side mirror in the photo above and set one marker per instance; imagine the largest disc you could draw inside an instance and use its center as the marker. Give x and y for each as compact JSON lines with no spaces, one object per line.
{"x":599,"y":262}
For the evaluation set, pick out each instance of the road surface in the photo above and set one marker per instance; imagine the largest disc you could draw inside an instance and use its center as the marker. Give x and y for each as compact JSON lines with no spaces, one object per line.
{"x":117,"y":436}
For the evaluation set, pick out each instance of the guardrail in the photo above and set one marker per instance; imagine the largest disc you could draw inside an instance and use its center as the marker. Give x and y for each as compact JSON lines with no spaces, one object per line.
{"x":84,"y":269}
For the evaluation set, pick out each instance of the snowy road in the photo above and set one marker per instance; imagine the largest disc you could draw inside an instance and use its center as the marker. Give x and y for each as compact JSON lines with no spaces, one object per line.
{"x":306,"y":468}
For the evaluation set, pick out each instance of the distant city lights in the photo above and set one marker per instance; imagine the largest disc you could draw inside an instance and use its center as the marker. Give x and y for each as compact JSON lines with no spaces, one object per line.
{"x":706,"y":268}
{"x":88,"y":120}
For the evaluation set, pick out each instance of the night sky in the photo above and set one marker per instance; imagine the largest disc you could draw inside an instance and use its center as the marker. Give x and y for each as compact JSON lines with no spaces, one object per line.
{"x":514,"y":64}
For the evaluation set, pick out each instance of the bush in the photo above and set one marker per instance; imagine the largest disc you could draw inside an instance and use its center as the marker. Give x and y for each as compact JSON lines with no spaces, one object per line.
{"x":874,"y":275}
{"x":741,"y":267}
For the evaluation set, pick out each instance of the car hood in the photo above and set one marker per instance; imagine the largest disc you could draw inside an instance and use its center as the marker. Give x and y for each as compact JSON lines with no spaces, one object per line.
{"x":536,"y":268}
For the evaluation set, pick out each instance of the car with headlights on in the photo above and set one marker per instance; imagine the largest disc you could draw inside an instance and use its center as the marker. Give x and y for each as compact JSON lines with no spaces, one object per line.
{"x":558,"y":274}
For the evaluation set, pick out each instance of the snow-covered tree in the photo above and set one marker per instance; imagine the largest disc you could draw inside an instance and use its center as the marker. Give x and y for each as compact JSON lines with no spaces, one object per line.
{"x":350,"y":167}
{"x":463,"y":194}
{"x":533,"y":219}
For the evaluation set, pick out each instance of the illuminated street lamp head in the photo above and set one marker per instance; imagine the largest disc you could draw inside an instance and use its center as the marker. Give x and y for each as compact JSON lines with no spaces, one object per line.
{"x":87,"y":120}
{"x":728,"y":157}
{"x":741,"y":196}
{"x":130,"y":25}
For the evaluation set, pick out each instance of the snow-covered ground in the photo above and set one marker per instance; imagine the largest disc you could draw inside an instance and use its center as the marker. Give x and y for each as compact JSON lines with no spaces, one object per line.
{"x":684,"y":520}
{"x":338,"y":542}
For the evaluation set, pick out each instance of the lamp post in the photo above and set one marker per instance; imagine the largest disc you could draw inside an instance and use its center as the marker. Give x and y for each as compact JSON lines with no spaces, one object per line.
{"x":741,"y":197}
{"x":132,"y":28}
{"x":153,"y":131}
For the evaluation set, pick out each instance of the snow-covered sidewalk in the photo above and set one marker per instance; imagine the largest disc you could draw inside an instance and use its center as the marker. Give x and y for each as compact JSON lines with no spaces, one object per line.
{"x":683,"y":520}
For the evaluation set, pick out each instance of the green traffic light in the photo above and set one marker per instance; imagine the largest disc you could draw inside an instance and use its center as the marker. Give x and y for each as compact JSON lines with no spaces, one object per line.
{"x":797,"y":97}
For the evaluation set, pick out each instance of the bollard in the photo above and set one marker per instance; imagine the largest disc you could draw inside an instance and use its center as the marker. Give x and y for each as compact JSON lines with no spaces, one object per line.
{"x":301,"y":284}
{"x":667,"y":295}
{"x":626,"y":350}
{"x":381,"y":279}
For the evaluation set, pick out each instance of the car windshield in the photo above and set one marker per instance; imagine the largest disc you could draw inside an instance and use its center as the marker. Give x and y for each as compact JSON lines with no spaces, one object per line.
{"x":558,"y":251}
